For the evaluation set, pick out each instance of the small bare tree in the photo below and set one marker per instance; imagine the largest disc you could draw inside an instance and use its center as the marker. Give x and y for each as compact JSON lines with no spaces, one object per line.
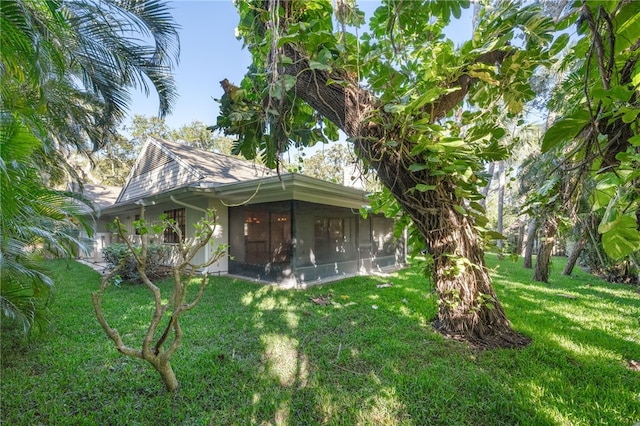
{"x":158,"y":351}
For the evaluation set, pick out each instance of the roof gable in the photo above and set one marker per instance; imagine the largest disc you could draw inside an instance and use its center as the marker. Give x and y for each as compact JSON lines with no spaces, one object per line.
{"x":163,"y":166}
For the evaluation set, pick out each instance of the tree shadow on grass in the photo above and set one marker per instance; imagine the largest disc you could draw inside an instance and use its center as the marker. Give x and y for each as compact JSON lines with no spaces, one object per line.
{"x":369,"y":356}
{"x":584,"y":333}
{"x":261,"y":355}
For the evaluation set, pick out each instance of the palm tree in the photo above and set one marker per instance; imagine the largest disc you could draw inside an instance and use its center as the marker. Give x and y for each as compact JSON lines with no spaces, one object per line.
{"x":35,"y":220}
{"x":66,"y":68}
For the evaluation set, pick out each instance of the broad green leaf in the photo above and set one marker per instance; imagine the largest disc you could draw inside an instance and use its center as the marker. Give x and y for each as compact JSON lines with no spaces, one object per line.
{"x":452,"y":142}
{"x":628,"y":31}
{"x":477,"y":206}
{"x":455,"y":9}
{"x":619,"y":93}
{"x":275,"y":90}
{"x":315,"y":65}
{"x":495,"y":235}
{"x":484,"y":76}
{"x":630,"y":116}
{"x":565,"y":129}
{"x":394,"y":108}
{"x":289,"y":82}
{"x":498,"y":132}
{"x":459,"y":209}
{"x":324,"y":56}
{"x":635,"y":140}
{"x":424,"y":188}
{"x":285,"y":60}
{"x":416,"y":167}
{"x":600,"y":198}
{"x":621,"y":238}
{"x":428,"y":96}
{"x":635,"y":80}
{"x":559,"y":44}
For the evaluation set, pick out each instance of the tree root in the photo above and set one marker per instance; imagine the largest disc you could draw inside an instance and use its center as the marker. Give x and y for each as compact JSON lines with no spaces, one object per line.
{"x":504,"y":340}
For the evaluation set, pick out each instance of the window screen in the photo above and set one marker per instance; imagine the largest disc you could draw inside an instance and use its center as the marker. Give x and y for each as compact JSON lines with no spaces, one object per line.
{"x":178,"y":217}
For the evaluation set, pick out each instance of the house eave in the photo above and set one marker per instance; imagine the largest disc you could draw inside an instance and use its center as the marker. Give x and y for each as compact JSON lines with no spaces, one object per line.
{"x":291,"y":187}
{"x":270,"y":189}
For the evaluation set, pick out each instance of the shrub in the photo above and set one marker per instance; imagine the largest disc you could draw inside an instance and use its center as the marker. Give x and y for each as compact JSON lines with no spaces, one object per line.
{"x":158,"y":256}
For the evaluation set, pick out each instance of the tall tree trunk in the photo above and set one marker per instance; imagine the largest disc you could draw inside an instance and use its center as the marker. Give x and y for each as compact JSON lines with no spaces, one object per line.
{"x":528,"y":247}
{"x":487,"y":187}
{"x":500,"y":243}
{"x":541,"y":273}
{"x":520,"y":239}
{"x":577,"y":249}
{"x":469,"y":307}
{"x":592,"y":230}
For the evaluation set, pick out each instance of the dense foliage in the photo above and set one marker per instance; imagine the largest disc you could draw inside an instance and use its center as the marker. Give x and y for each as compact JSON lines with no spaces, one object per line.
{"x":65,"y":70}
{"x":598,"y":129}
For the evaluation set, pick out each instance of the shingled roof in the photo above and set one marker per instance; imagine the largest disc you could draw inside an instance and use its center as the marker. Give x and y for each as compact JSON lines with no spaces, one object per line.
{"x":215,"y":167}
{"x":164,"y":165}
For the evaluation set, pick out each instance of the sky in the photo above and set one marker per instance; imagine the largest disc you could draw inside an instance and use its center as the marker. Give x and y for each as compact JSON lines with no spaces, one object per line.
{"x":210,"y":52}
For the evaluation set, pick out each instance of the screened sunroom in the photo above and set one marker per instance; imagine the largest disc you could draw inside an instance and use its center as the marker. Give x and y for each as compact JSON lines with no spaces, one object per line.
{"x":296,"y":242}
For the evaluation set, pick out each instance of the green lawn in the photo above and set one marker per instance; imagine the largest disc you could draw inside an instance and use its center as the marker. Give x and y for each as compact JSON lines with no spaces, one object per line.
{"x":259,"y":355}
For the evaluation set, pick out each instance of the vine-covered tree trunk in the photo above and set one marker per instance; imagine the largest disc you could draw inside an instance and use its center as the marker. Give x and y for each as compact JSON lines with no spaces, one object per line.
{"x":528,"y":247}
{"x":573,"y":258}
{"x":469,"y":307}
{"x":541,"y":273}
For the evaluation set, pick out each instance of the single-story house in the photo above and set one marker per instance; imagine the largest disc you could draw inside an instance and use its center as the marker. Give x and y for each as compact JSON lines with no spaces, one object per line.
{"x":291,"y":229}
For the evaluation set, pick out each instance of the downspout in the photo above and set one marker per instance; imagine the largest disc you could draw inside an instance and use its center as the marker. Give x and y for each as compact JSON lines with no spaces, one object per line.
{"x":293,"y":234}
{"x":183,"y":204}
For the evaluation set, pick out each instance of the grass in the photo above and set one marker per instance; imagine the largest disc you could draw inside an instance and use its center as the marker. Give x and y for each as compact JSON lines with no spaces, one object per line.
{"x":260,"y":355}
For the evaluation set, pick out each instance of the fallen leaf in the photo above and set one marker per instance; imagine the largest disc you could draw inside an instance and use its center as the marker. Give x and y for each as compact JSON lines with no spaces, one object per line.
{"x":374,"y":306}
{"x":321,"y":300}
{"x":568,"y":296}
{"x":633,"y":365}
{"x":573,"y":361}
{"x":384,"y":285}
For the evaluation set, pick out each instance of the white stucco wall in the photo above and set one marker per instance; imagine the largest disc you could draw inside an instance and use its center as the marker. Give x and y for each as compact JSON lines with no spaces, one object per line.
{"x":193,"y":213}
{"x":221,"y":236}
